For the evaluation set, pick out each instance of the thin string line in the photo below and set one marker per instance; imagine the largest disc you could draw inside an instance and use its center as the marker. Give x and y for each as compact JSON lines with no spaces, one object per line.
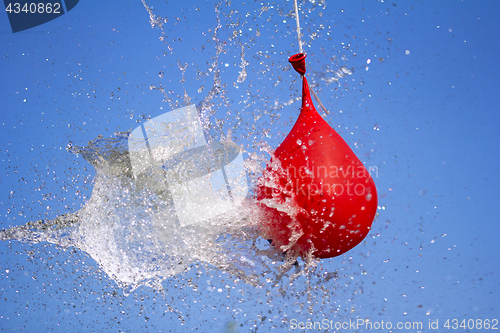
{"x":300,"y":48}
{"x":318,"y":101}
{"x":298,"y":25}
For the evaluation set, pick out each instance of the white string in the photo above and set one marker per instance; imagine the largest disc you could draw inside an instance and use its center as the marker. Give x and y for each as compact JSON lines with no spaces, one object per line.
{"x":298,"y":25}
{"x":318,"y":101}
{"x":300,"y":48}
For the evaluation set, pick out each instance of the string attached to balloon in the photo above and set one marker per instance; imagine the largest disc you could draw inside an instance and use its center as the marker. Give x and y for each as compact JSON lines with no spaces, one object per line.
{"x":298,"y":25}
{"x":317,"y":197}
{"x":299,"y":38}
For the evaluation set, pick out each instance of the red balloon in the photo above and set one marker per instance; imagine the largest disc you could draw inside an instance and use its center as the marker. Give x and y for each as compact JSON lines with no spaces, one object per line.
{"x":316,"y":195}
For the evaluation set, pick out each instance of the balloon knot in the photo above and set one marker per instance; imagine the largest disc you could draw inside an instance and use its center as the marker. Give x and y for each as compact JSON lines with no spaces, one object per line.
{"x":298,"y":62}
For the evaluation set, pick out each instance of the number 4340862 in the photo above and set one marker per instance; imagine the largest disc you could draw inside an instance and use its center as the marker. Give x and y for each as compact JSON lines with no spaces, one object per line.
{"x":478,"y":324}
{"x":33,"y":8}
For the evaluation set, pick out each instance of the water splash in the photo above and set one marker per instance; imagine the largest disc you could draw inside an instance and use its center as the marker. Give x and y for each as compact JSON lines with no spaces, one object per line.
{"x":130,"y":229}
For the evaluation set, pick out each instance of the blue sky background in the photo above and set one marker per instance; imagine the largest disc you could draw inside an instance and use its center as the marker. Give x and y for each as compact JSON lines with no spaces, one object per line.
{"x":425,"y":113}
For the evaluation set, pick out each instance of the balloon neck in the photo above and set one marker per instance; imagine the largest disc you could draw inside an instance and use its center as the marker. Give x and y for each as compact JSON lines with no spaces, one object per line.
{"x":298,"y":62}
{"x":307,"y":104}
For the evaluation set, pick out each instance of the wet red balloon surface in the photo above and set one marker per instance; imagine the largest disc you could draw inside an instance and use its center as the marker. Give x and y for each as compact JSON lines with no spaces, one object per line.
{"x":316,"y":195}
